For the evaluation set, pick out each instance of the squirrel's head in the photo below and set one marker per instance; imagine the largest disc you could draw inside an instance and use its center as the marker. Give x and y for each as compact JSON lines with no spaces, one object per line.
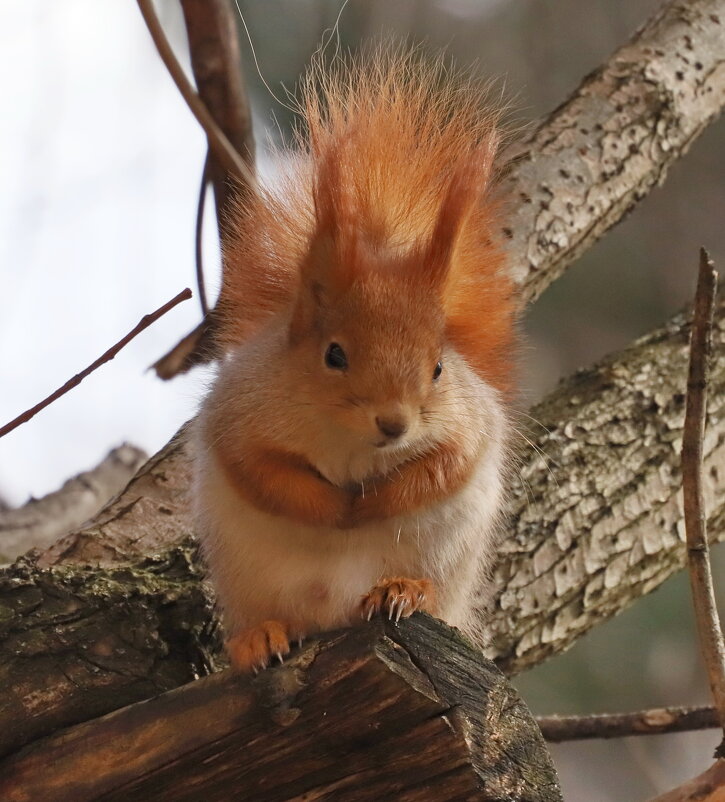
{"x":369,"y":327}
{"x":372,"y":353}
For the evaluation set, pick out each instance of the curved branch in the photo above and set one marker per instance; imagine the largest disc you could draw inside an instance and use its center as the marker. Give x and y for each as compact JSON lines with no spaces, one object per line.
{"x":217,"y":66}
{"x":601,"y":152}
{"x":216,"y":63}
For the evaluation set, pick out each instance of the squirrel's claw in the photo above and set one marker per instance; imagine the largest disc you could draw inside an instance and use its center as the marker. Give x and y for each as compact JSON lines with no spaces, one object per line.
{"x":399,"y":597}
{"x":252,"y":649}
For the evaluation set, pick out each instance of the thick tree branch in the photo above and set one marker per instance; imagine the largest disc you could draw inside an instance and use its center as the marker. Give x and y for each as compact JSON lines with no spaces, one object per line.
{"x":600,"y":523}
{"x":600,"y":153}
{"x":40,"y":522}
{"x":149,"y":517}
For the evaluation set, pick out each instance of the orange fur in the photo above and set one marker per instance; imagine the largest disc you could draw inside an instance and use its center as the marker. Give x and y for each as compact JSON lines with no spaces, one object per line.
{"x":368,"y":324}
{"x":399,"y":597}
{"x":254,"y":648}
{"x":415,"y":484}
{"x":395,"y":158}
{"x":284,"y":484}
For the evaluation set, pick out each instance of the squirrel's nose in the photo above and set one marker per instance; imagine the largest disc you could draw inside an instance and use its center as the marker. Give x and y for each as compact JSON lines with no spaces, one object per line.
{"x":392,"y":427}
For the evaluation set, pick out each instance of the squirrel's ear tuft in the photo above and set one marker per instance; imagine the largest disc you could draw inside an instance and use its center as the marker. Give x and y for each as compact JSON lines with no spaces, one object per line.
{"x":331,"y":256}
{"x":328,"y":268}
{"x":469,"y":181}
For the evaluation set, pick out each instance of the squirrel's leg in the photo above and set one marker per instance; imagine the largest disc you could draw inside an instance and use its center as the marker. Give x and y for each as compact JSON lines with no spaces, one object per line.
{"x":398,"y":597}
{"x":253,"y":648}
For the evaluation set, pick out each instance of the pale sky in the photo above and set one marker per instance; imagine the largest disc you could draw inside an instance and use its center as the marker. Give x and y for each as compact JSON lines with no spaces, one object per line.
{"x":99,"y":170}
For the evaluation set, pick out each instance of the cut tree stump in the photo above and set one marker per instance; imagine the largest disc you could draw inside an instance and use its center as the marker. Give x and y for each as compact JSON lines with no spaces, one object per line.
{"x":378,"y":712}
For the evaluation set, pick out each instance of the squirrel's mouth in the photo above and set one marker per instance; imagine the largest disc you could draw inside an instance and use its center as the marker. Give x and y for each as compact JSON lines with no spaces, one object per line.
{"x":390,"y":443}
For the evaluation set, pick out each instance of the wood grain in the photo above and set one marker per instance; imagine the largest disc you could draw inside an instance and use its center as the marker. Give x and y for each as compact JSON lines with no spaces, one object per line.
{"x":406,"y":712}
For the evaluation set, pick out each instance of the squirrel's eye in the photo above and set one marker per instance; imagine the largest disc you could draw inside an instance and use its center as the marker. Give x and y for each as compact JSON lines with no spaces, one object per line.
{"x":438,"y":370}
{"x":335,"y":357}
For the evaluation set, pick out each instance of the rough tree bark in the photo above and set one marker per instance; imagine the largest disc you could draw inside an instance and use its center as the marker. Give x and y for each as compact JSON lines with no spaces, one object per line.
{"x":597,"y":155}
{"x":405,"y":712}
{"x":599,"y":523}
{"x":40,"y":522}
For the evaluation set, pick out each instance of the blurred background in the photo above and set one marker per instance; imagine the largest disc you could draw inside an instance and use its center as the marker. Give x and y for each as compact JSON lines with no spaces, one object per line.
{"x":100,"y":163}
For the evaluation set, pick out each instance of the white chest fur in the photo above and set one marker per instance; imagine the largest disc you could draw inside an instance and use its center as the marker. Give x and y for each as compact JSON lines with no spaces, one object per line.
{"x":268,"y":567}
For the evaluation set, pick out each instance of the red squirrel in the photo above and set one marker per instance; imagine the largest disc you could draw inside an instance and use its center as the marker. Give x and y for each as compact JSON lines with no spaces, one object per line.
{"x":351,"y":453}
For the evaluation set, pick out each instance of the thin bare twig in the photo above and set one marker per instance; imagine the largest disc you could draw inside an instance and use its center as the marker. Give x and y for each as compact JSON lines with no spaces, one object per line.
{"x":617,"y":725}
{"x":215,"y":61}
{"x":698,"y":556}
{"x":144,"y":323}
{"x":218,"y":141}
{"x":201,"y":205}
{"x":211,"y":30}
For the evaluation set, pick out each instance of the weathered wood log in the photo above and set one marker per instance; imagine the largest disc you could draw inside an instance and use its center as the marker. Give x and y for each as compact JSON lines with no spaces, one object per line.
{"x":383,"y":711}
{"x":78,"y":642}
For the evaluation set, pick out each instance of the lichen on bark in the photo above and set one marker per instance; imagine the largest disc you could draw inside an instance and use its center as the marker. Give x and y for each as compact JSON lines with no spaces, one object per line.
{"x":76,"y":642}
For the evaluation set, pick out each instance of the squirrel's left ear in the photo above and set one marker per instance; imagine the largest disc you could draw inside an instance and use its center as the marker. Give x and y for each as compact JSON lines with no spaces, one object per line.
{"x":470,"y":178}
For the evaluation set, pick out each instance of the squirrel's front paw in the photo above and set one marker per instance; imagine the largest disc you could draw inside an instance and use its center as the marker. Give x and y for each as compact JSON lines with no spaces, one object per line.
{"x":398,"y":597}
{"x":253,"y":649}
